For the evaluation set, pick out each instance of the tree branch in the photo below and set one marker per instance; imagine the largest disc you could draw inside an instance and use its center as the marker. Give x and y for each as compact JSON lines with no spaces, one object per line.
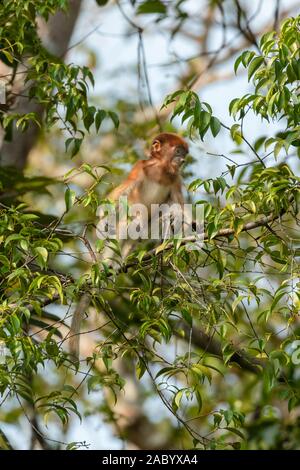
{"x":203,"y":341}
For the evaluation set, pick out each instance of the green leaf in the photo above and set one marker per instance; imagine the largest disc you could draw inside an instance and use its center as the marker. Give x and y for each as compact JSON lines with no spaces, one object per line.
{"x":140,"y":369}
{"x":151,"y":6}
{"x":164,"y":371}
{"x":94,"y":383}
{"x":187,"y":316}
{"x":199,"y":400}
{"x":8,"y":55}
{"x":201,"y":370}
{"x":236,"y":301}
{"x":235,"y":431}
{"x":234,"y":106}
{"x":236,"y":445}
{"x":292,"y":403}
{"x":14,"y":236}
{"x":161,"y":247}
{"x":114,"y":118}
{"x":89,"y":117}
{"x":215,"y":126}
{"x":52,"y":348}
{"x":205,"y":118}
{"x":277,"y":148}
{"x":235,"y":132}
{"x":70,"y":196}
{"x":255,"y":64}
{"x":24,"y":244}
{"x":4,"y":442}
{"x":101,"y":3}
{"x":15,"y":322}
{"x":42,"y":254}
{"x":276,"y":299}
{"x":100,"y":116}
{"x":177,"y":400}
{"x":247,"y":56}
{"x":237,"y":63}
{"x":76,"y":144}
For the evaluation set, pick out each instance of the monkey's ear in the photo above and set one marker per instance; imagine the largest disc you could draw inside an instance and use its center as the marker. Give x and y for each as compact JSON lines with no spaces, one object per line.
{"x":155,"y":147}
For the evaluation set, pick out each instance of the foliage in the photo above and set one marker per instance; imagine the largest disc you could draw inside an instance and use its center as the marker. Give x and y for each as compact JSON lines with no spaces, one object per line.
{"x":232,"y":305}
{"x":61,"y":88}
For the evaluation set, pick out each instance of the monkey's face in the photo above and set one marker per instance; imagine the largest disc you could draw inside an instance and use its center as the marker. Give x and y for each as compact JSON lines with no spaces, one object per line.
{"x":179,"y":154}
{"x":174,"y":155}
{"x":171,"y":148}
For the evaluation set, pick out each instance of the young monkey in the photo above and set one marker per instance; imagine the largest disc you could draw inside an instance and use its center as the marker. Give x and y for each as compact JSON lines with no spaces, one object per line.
{"x":153,"y":181}
{"x":157,"y":180}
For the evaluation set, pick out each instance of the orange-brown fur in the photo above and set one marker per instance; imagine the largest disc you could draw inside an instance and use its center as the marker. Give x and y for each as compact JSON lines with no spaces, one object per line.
{"x":153,"y":181}
{"x":161,"y":170}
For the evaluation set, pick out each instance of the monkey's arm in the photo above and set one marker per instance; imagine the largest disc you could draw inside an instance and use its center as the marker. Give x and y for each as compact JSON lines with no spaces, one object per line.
{"x":132,"y":182}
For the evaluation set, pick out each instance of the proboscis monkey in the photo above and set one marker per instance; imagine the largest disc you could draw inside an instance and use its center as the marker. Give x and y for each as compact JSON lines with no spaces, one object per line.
{"x":157,"y":179}
{"x":153,"y":181}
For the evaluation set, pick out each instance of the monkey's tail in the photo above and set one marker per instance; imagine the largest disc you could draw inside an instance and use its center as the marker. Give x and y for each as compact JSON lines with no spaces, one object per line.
{"x":78,"y":315}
